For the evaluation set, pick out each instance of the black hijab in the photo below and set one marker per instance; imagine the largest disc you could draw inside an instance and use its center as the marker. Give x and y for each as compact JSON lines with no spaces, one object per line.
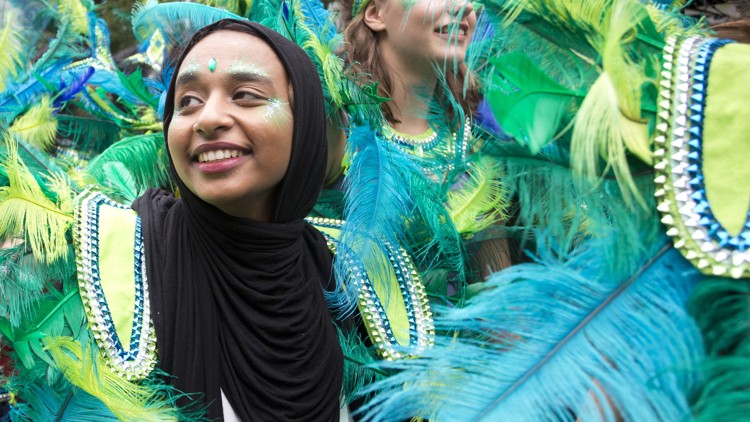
{"x":238,"y":304}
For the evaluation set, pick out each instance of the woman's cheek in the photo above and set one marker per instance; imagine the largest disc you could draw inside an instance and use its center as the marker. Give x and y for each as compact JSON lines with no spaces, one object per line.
{"x":277,"y":113}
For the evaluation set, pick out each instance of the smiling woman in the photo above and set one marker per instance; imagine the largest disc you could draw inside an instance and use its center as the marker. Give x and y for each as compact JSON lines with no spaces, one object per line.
{"x":235,"y":275}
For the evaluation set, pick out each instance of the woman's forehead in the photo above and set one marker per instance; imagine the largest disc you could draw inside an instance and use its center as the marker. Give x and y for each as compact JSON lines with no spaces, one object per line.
{"x":224,"y":51}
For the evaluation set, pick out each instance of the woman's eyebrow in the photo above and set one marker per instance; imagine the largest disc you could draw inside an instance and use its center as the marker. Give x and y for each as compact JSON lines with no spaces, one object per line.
{"x":186,"y":78}
{"x":249,"y":75}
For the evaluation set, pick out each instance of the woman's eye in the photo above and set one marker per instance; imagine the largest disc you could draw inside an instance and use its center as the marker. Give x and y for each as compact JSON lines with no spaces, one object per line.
{"x":188,"y":101}
{"x":247,"y":96}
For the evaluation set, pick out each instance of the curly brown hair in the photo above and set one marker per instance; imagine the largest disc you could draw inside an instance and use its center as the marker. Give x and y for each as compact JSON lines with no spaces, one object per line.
{"x":362,"y":54}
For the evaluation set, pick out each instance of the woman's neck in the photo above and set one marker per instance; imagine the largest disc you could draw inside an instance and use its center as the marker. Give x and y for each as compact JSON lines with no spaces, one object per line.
{"x":412,"y":88}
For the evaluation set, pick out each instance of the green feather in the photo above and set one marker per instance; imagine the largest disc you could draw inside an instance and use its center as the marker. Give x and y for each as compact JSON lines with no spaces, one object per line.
{"x":143,"y":156}
{"x":68,"y":43}
{"x":528,"y":104}
{"x":118,"y":179}
{"x":127,"y":400}
{"x":134,"y":83}
{"x":86,"y":135}
{"x":358,"y":360}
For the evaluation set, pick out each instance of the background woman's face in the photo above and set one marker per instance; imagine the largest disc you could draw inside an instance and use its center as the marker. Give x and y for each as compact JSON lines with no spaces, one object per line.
{"x":230,"y":137}
{"x":434,"y":30}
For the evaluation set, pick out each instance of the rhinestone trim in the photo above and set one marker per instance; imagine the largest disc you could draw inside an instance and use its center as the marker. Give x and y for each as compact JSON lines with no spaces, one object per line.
{"x":680,"y":187}
{"x":449,"y":151}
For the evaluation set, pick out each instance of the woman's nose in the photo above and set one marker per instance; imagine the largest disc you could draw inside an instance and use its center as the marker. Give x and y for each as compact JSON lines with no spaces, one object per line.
{"x":462,"y":8}
{"x":213,"y":118}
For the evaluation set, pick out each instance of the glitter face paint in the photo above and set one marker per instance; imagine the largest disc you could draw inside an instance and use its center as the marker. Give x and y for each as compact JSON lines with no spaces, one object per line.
{"x":277,"y":113}
{"x":242,"y":67}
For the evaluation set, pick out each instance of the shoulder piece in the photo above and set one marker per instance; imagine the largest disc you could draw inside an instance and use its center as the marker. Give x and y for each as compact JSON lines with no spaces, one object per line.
{"x":393,"y":305}
{"x":701,"y":151}
{"x":112,"y":282}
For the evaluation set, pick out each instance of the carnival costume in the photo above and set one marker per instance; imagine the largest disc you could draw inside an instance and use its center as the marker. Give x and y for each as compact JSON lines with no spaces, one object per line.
{"x":621,"y":117}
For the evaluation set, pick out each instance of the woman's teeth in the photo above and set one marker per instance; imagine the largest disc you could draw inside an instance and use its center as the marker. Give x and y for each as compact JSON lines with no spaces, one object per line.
{"x":446,"y":30}
{"x":208,"y":156}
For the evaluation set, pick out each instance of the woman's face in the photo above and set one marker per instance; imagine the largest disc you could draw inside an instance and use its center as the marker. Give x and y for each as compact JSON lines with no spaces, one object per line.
{"x":230,"y":137}
{"x":433,"y":30}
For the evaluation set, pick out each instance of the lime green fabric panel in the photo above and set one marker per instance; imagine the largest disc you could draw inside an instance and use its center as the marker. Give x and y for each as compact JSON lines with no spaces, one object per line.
{"x":726,"y":136}
{"x":116,"y":267}
{"x":385,"y":283}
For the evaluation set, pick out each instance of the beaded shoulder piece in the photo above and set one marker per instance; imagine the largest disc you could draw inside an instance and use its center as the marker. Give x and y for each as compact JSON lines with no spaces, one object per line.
{"x":112,"y":283}
{"x":394,"y":308}
{"x":701,"y":133}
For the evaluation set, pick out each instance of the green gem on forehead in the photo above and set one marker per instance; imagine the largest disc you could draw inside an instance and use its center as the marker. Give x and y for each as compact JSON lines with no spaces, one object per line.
{"x":212,"y":64}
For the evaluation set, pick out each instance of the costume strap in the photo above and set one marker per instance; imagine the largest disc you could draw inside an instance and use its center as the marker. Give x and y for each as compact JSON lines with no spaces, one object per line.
{"x":393,"y":305}
{"x":112,"y":283}
{"x":701,"y":151}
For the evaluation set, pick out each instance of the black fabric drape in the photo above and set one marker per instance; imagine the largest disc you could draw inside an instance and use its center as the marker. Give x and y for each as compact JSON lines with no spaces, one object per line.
{"x":238,"y":304}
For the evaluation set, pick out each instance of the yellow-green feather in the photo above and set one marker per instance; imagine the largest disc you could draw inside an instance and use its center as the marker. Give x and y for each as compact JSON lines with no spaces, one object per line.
{"x":76,"y":14}
{"x":11,"y":45}
{"x":25,"y":211}
{"x":38,"y":126}
{"x":127,"y":400}
{"x":609,"y":121}
{"x":482,"y":201}
{"x":331,"y":65}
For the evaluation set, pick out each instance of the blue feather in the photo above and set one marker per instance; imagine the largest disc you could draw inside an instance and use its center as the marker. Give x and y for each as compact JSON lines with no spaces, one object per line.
{"x":285,"y":10}
{"x":77,"y":84}
{"x":177,"y":21}
{"x":374,"y":211}
{"x":20,"y":93}
{"x":160,"y":85}
{"x":389,"y":201}
{"x":553,"y":341}
{"x":318,"y":18}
